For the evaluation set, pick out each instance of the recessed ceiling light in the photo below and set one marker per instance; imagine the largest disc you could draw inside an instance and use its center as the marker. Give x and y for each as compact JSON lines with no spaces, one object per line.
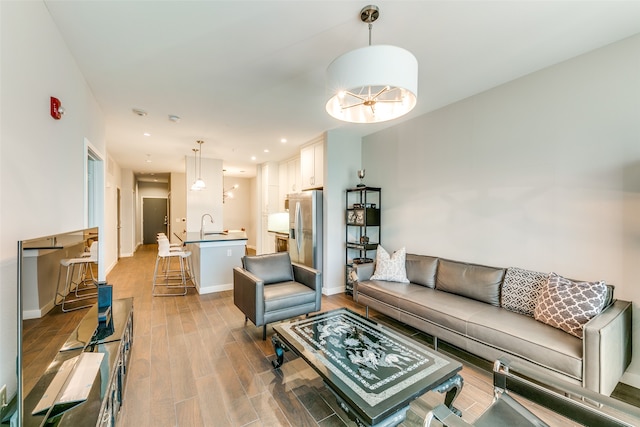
{"x":253,"y":157}
{"x":266,"y":150}
{"x":146,"y":134}
{"x":139,"y":112}
{"x":283,"y":140}
{"x":174,"y":118}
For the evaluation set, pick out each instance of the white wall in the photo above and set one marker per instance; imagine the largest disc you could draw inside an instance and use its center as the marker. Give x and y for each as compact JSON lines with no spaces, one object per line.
{"x":208,"y":200}
{"x":41,"y":159}
{"x":236,"y":210}
{"x":113,"y":179}
{"x":178,"y":207}
{"x":342,"y":153}
{"x":127,"y":213}
{"x":541,"y":173}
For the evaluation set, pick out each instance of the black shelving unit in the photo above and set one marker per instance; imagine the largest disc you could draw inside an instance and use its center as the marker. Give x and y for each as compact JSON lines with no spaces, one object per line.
{"x":362,"y":231}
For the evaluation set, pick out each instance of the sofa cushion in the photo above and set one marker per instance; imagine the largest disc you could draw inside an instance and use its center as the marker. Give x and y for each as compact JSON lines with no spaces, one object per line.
{"x":525,"y":337}
{"x":391,"y":268}
{"x":448,"y":310}
{"x":270,"y":268}
{"x":521,"y":289}
{"x":473,"y":281}
{"x":421,"y":270}
{"x":568,"y":305}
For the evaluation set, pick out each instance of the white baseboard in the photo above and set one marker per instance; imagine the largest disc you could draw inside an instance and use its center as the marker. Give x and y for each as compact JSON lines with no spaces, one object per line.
{"x":334,"y":290}
{"x":36,"y":314}
{"x":631,"y":379}
{"x":214,"y":288}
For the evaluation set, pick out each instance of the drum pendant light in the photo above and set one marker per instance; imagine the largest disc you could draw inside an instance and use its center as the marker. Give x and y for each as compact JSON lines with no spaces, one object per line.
{"x":199,"y":184}
{"x":374,"y":83}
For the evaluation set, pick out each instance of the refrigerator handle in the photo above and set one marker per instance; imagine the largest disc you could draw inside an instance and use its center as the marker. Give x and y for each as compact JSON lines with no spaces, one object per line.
{"x":298,"y":227}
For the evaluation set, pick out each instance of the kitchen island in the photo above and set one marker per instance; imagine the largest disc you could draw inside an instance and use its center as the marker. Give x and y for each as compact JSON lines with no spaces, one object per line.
{"x":214,"y":255}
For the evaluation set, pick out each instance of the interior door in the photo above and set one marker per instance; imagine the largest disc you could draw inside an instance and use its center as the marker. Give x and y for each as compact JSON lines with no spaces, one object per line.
{"x":154,"y":218}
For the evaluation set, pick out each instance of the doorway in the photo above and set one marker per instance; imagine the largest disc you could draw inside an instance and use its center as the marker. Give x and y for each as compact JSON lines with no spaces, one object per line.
{"x":94,"y":198}
{"x":154,"y":218}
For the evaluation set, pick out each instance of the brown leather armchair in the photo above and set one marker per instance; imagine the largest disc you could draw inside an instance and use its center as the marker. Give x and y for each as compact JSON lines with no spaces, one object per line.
{"x":269,"y":288}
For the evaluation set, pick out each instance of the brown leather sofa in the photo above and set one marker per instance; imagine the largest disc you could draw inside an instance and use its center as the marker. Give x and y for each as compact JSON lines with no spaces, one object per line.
{"x":461,"y":304}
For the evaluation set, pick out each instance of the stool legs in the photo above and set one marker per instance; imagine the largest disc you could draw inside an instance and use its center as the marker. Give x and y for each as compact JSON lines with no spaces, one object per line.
{"x":169,"y":278}
{"x":69,"y":295}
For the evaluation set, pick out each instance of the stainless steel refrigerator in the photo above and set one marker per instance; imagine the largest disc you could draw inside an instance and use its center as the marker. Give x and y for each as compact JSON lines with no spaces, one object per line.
{"x":305,"y":228}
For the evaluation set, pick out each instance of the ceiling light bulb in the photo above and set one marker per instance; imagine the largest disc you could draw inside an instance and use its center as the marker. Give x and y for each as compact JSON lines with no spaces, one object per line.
{"x":253,"y":157}
{"x":146,"y":134}
{"x":283,"y":140}
{"x":266,"y":150}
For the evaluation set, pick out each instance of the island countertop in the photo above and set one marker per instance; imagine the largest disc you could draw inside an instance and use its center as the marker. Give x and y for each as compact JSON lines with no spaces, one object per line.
{"x":194,"y":237}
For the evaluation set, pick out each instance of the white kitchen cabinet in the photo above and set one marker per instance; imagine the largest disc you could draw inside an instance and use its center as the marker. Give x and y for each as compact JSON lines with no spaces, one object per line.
{"x":312,"y":165}
{"x":290,"y":180}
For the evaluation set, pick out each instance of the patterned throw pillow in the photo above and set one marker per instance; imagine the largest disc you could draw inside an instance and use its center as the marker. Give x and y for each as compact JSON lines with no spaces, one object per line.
{"x":391,"y":268}
{"x":521,"y":289}
{"x":568,"y":305}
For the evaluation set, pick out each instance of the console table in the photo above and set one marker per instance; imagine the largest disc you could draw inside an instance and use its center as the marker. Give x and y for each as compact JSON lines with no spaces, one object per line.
{"x":101,"y":408}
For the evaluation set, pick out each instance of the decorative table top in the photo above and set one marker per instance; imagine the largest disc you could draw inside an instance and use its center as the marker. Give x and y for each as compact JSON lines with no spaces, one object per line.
{"x":372,"y":367}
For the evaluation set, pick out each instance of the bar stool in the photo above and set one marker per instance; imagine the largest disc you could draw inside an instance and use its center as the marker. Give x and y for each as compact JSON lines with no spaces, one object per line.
{"x":84,"y":287}
{"x":178,"y":247}
{"x":174,"y":280}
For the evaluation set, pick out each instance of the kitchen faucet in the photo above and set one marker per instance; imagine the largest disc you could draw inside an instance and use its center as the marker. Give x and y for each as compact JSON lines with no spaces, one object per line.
{"x":202,"y":224}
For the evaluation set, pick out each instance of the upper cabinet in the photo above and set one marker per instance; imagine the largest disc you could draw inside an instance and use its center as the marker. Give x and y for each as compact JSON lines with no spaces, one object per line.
{"x":290,"y":180}
{"x":312,"y":165}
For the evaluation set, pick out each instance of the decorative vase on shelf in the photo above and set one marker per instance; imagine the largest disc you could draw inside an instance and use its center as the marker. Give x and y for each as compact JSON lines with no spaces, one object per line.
{"x":361,"y":176}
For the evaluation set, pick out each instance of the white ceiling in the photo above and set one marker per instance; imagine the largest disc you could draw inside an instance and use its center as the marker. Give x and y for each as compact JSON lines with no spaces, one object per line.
{"x":242,"y":75}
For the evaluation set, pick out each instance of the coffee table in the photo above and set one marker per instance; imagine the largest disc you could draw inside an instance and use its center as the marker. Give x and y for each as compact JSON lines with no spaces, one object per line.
{"x":373,"y":371}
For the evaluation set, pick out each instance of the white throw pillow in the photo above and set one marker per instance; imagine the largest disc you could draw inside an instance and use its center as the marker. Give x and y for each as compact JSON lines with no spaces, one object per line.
{"x":391,"y":268}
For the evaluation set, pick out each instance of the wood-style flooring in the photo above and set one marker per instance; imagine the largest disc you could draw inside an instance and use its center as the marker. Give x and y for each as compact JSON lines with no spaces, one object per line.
{"x":195,"y":363}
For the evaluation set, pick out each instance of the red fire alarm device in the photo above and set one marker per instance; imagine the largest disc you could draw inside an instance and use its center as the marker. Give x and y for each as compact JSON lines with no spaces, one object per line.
{"x":56,"y":108}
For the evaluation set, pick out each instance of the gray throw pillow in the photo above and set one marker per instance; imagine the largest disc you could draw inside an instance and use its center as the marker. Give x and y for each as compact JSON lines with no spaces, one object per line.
{"x":569,"y":305}
{"x":521,"y":289}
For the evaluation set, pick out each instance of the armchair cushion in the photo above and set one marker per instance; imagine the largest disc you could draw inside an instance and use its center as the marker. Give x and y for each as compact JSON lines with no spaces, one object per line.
{"x":287,"y":294}
{"x":270,"y":268}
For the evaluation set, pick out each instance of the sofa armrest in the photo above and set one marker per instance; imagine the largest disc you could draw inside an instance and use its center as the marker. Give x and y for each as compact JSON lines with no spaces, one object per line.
{"x":607,"y":347}
{"x":309,"y":277}
{"x":364,"y":271}
{"x":248,"y":289}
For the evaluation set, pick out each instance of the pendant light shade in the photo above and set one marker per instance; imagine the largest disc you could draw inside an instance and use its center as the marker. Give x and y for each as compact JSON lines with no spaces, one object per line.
{"x":374,"y":83}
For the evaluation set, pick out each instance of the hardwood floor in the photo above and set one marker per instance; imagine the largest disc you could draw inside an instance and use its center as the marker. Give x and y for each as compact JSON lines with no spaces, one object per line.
{"x":195,"y":363}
